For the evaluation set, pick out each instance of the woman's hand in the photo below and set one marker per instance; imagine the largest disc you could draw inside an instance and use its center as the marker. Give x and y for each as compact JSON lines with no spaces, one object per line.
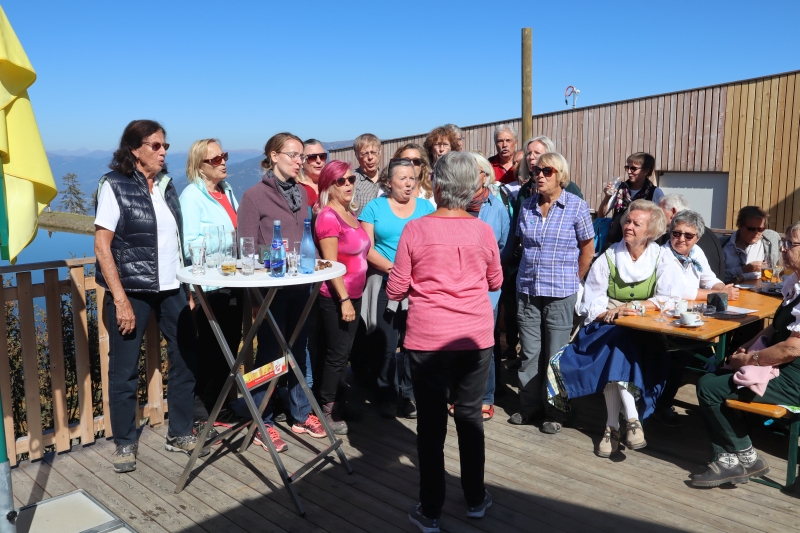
{"x":348,"y":311}
{"x":609,"y":189}
{"x":739,"y":359}
{"x":755,"y":266}
{"x":732,"y":292}
{"x":612,"y":314}
{"x":126,"y":320}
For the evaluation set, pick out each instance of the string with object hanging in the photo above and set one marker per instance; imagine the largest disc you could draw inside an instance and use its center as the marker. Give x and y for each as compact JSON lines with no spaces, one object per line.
{"x":573,"y":92}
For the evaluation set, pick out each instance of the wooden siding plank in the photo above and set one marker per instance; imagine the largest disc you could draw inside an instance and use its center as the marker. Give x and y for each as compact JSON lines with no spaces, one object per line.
{"x":612,"y":139}
{"x":680,"y":124}
{"x":659,"y":134}
{"x":771,"y":121}
{"x":731,"y":149}
{"x":155,"y":389}
{"x":30,"y":365}
{"x":777,"y":161}
{"x":706,"y":122}
{"x":673,"y":128}
{"x":762,"y":188}
{"x":721,"y":125}
{"x":748,"y":144}
{"x":103,"y":340}
{"x":711,"y":155}
{"x":755,"y":184}
{"x":5,"y":383}
{"x":691,"y":147}
{"x":634,"y":146}
{"x":82,"y":362}
{"x":793,"y":180}
{"x":740,"y":148}
{"x":55,"y":348}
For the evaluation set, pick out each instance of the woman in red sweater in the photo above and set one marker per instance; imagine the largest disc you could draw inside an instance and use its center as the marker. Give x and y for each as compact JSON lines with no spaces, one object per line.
{"x":446,"y":264}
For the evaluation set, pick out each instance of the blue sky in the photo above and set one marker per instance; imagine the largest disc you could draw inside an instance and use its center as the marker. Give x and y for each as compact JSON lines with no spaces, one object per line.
{"x":243,"y":70}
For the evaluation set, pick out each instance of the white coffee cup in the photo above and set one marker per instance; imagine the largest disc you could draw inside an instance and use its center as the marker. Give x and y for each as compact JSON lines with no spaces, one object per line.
{"x":689,"y":318}
{"x":681,"y":306}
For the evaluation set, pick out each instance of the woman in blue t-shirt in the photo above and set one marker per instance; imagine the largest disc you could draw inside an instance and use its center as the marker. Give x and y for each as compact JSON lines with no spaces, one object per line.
{"x":384,"y":219}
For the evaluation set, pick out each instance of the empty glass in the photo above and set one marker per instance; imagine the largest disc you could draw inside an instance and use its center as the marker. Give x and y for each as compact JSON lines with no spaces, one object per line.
{"x":211,"y":234}
{"x":661,"y":301}
{"x":197,"y":250}
{"x":248,"y":247}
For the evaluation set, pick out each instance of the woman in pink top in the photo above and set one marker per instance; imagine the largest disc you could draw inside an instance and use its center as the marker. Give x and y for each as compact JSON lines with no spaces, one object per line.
{"x":341,"y":238}
{"x":446,"y":264}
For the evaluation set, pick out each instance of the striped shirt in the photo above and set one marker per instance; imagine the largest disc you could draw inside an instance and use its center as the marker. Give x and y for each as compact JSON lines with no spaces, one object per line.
{"x":365,"y":190}
{"x":549,"y":264}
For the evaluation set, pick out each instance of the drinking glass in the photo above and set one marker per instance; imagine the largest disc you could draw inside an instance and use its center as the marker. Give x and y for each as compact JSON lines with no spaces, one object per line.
{"x":661,"y":300}
{"x":248,"y":247}
{"x":227,"y":254}
{"x":767,"y":270}
{"x":211,"y":235}
{"x":197,"y":250}
{"x":709,"y":310}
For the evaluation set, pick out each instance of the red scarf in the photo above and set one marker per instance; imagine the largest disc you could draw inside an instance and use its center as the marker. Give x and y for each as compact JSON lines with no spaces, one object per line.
{"x":477,"y":200}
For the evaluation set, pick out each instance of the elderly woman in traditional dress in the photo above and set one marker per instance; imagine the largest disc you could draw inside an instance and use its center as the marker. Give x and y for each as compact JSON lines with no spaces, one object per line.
{"x":778,"y":346}
{"x":609,"y":358}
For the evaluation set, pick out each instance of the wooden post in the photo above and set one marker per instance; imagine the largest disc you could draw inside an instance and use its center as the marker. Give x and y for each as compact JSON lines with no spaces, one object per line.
{"x":527,"y":86}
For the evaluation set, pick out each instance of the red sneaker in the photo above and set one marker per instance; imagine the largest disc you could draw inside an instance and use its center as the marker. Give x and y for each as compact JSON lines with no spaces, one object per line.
{"x":277,"y":441}
{"x":312,"y":426}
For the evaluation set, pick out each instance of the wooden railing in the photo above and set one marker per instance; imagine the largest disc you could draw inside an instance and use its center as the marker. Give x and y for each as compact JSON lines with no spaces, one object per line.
{"x":79,"y":287}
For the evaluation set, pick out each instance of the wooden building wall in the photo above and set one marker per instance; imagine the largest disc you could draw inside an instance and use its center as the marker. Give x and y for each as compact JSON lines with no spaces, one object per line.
{"x":748,"y":129}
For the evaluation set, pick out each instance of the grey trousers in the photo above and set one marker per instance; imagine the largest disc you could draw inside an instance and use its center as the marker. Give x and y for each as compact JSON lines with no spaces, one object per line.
{"x":545,"y":324}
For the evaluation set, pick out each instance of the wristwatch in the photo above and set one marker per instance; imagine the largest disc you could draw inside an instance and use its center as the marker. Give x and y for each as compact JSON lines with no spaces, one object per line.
{"x":755,"y":357}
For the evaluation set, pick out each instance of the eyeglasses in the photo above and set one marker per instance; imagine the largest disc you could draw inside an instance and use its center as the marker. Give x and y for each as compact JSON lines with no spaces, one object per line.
{"x":631,"y":168}
{"x":293,"y":155}
{"x":310,"y":158}
{"x":546,"y":171}
{"x":364,"y":155}
{"x":788,"y":245}
{"x":217,"y":160}
{"x":755,"y":230}
{"x":687,"y":236}
{"x":341,"y":181}
{"x":157,"y":146}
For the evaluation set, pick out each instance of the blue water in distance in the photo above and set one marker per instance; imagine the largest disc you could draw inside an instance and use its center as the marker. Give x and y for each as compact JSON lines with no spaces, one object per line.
{"x":52,"y":246}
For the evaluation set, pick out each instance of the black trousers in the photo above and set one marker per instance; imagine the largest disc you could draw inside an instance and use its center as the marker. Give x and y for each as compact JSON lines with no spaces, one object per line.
{"x":334,"y":342}
{"x":212,"y":368}
{"x":509,"y":299}
{"x":175,"y":322}
{"x":434,"y":375}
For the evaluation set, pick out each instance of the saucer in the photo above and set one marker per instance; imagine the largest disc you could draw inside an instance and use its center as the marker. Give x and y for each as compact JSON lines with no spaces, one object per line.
{"x":697,"y":324}
{"x":745,"y":286}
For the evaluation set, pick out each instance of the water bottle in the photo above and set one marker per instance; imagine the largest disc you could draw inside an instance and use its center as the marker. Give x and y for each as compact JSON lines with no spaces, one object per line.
{"x":277,"y":260}
{"x":308,"y":253}
{"x":276,"y":230}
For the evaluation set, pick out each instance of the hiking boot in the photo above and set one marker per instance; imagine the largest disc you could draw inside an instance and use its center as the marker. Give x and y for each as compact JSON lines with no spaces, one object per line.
{"x":721,"y":471}
{"x":184,"y":444}
{"x":477,"y":511}
{"x":668,"y":417}
{"x":758,"y":469}
{"x":609,"y":444}
{"x":523,"y":418}
{"x":337,"y":425}
{"x":634,"y":434}
{"x":312,"y":426}
{"x":410,"y":409}
{"x":425,"y":524}
{"x":275,"y":437}
{"x":124,"y":457}
{"x":198,"y":428}
{"x":389,"y":410}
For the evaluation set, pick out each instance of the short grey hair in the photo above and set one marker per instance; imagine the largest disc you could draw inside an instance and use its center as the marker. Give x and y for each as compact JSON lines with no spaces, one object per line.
{"x":657,"y":225}
{"x":524,"y":173}
{"x":455,"y":129}
{"x":792,"y":230}
{"x":504,"y":128}
{"x":457,"y":178}
{"x":675,"y":201}
{"x":690,"y":218}
{"x":548,"y":143}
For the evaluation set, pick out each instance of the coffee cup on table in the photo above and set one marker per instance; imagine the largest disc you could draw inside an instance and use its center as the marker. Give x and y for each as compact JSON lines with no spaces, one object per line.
{"x":689,"y":318}
{"x":681,"y":306}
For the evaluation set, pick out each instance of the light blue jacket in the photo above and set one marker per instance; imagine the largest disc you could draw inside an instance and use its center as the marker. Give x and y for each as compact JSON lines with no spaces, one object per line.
{"x":494,"y":213}
{"x":200,"y":209}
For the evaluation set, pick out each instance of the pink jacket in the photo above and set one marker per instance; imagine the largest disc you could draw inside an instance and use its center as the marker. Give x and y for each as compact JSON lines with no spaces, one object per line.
{"x":755,"y":377}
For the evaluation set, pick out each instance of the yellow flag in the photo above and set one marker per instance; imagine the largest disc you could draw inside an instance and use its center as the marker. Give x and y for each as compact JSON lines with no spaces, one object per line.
{"x":27,"y":181}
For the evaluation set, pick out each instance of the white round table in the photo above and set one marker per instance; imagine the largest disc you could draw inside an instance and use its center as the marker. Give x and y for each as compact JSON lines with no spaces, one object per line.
{"x":261,"y":278}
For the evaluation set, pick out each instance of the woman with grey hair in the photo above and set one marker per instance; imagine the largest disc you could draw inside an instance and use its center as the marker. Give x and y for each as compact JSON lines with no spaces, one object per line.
{"x":446,"y":264}
{"x":384,"y":219}
{"x":458,"y":134}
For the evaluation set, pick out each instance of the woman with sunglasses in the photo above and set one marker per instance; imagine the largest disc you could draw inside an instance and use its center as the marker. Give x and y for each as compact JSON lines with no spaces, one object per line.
{"x":138,"y":246}
{"x":384,"y":219}
{"x":278,"y":197}
{"x":639,"y":167}
{"x":750,"y":246}
{"x":414,"y":153}
{"x":208,"y":200}
{"x":555,"y":229}
{"x":341,"y":238}
{"x":314,"y":158}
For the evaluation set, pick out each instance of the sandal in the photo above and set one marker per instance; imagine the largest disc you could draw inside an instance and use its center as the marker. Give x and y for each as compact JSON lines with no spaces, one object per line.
{"x":487,"y":410}
{"x":551,"y":427}
{"x":451,"y":409}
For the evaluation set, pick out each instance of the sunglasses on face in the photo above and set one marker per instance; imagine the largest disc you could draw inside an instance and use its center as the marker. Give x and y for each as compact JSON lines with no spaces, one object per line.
{"x":310,"y":158}
{"x":157,"y":146}
{"x":786,"y":244}
{"x":687,"y":236}
{"x":341,"y":181}
{"x":631,"y":168}
{"x":755,"y":230}
{"x":217,"y":160}
{"x":546,"y":171}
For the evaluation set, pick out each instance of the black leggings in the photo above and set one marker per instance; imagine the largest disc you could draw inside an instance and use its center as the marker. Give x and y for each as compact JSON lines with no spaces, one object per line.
{"x":334,"y":342}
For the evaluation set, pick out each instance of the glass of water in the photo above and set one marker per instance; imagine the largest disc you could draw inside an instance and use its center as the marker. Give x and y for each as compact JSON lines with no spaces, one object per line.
{"x":211,"y":235}
{"x":197,"y":250}
{"x":248,"y":247}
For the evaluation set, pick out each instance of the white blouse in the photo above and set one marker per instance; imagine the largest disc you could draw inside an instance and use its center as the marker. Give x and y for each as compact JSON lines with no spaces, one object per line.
{"x":594,"y":298}
{"x":685,"y":282}
{"x":791,"y":289}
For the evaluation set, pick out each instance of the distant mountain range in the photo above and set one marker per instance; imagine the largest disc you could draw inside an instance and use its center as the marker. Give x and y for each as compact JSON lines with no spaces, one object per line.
{"x":244,"y":167}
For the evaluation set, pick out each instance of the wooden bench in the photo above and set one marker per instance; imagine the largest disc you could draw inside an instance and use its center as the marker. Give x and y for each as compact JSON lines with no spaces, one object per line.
{"x":776,"y":411}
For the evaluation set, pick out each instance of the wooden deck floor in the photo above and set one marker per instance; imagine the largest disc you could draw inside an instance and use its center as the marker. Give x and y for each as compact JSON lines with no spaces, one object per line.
{"x":539,"y":482}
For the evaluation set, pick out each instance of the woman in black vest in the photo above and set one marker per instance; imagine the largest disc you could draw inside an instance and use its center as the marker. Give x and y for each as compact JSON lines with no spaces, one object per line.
{"x":778,"y":345}
{"x":138,"y":242}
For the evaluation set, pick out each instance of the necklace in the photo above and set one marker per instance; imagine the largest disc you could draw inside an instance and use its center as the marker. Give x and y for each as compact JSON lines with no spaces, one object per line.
{"x":217,"y":195}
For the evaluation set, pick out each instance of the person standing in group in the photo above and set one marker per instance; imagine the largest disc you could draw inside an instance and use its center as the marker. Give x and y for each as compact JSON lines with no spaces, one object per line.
{"x":384,"y":219}
{"x":459,"y":146}
{"x":438,"y":142}
{"x":314,"y":158}
{"x":208,"y":200}
{"x":557,"y":237}
{"x":278,"y":197}
{"x":341,"y":238}
{"x":417,"y":155}
{"x":138,"y":247}
{"x":368,"y":153}
{"x":505,"y":140}
{"x":639,"y":167}
{"x":445,"y":265}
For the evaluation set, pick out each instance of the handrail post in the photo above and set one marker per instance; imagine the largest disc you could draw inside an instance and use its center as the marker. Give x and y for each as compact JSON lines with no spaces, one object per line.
{"x":7,"y":513}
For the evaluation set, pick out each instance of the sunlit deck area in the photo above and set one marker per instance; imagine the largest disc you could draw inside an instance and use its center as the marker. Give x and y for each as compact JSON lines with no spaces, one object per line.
{"x":539,"y":482}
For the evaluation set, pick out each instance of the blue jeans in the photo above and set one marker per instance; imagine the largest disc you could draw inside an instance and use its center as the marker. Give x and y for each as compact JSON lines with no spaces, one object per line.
{"x":286,"y":308}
